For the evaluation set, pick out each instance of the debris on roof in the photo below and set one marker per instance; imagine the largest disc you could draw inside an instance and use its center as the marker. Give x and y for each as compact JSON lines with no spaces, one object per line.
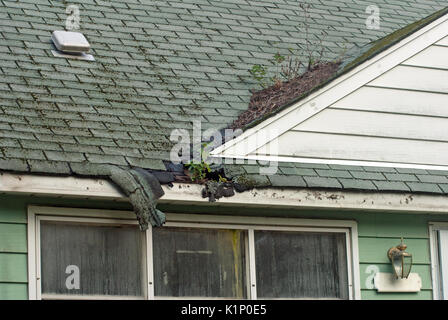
{"x":264,"y":102}
{"x":366,"y":52}
{"x":214,"y":190}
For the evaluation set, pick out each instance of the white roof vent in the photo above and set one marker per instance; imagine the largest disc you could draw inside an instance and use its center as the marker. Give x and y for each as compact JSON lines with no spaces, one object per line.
{"x":71,"y":45}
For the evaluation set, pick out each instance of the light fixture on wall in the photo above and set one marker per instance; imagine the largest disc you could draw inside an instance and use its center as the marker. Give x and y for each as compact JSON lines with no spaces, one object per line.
{"x":401,"y":260}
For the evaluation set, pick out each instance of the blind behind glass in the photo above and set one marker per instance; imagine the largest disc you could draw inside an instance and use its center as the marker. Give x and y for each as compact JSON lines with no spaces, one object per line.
{"x":191,"y":262}
{"x":301,"y":265}
{"x":109,"y":258}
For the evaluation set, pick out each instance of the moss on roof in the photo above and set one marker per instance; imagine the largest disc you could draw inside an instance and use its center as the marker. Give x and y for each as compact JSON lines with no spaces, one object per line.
{"x":376,"y":47}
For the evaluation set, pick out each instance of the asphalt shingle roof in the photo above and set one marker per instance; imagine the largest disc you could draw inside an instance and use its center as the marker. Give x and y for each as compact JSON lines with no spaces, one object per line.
{"x":355,"y":178}
{"x":158,"y":66}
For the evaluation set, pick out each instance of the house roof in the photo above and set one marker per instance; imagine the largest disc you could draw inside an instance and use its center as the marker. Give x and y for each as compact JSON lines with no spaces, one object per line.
{"x":158,"y":66}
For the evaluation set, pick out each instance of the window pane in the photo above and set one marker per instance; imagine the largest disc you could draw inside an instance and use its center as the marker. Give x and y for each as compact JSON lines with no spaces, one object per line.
{"x":199,"y":262}
{"x":301,"y":265}
{"x":109,"y":259}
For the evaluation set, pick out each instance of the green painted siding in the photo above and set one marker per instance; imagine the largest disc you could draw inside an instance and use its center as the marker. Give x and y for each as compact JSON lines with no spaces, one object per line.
{"x":377,"y":233}
{"x":13,"y":249}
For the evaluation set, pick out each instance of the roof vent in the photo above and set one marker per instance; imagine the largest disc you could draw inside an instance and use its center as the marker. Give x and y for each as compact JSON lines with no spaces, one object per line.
{"x":71,"y":45}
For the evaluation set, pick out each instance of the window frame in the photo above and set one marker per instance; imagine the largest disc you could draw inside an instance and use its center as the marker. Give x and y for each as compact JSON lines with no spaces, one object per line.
{"x":434,"y":227}
{"x":39,"y":213}
{"x":85,"y":221}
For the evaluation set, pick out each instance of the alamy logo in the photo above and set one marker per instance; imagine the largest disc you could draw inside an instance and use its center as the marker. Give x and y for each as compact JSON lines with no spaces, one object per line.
{"x":188,"y":148}
{"x":373,"y":20}
{"x":371,"y":270}
{"x":72,"y":21}
{"x":73,"y":280}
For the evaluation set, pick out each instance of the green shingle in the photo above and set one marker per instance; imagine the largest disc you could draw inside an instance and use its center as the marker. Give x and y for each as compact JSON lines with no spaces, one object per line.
{"x":333,"y":173}
{"x":400,"y":177}
{"x":424,"y":187}
{"x":357,"y":184}
{"x":368,"y":175}
{"x":37,"y":166}
{"x":432,"y":178}
{"x":319,"y":182}
{"x":65,"y":156}
{"x":287,"y":181}
{"x":391,"y":186}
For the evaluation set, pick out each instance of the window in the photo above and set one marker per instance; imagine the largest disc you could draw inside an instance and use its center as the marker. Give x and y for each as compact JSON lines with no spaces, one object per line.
{"x":192,"y":262}
{"x":85,"y":254}
{"x":301,"y":265}
{"x":109,"y":256}
{"x":439,"y":259}
{"x":90,"y":258}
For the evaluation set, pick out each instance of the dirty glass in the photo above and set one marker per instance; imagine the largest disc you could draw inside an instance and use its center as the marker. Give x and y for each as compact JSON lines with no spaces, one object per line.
{"x":301,"y":265}
{"x":81,"y":259}
{"x":190,"y":262}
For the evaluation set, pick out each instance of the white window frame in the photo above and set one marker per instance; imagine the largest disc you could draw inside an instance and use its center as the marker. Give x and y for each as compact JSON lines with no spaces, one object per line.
{"x":39,"y":213}
{"x":437,"y":287}
{"x":82,"y":221}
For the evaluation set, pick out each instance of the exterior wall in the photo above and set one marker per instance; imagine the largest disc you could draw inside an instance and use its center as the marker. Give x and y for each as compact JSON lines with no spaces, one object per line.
{"x":377,"y":233}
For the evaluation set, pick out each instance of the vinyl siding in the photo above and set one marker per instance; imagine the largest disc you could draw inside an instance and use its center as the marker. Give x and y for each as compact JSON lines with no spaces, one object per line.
{"x":13,"y":249}
{"x":377,"y":233}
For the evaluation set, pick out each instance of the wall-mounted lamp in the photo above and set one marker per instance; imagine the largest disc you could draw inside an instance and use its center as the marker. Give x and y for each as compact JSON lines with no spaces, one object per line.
{"x":401,"y":260}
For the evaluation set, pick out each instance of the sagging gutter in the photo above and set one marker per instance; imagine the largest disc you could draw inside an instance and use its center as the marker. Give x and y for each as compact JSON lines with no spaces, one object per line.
{"x":190,"y":194}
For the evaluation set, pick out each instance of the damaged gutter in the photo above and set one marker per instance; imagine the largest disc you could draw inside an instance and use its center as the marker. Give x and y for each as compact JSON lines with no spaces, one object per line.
{"x":143,"y":189}
{"x":140,"y":186}
{"x":190,"y":194}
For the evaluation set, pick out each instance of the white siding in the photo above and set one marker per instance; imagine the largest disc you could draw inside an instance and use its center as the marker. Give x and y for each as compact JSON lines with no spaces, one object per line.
{"x":360,"y":148}
{"x":443,"y":42}
{"x":395,"y":101}
{"x":377,"y":124}
{"x":414,"y":78}
{"x":432,"y":57}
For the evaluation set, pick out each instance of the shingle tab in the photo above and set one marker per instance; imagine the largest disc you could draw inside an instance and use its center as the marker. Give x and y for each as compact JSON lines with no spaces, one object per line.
{"x":357,"y":184}
{"x":287,"y":181}
{"x":424,"y":187}
{"x":391,"y":186}
{"x":433,"y":178}
{"x":319,"y":182}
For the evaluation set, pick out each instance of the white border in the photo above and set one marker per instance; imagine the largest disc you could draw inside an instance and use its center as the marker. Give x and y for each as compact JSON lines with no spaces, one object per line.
{"x":36,"y":213}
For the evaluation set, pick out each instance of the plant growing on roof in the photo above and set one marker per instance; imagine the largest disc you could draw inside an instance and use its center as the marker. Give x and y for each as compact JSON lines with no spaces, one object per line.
{"x":314,"y":50}
{"x":199,"y":170}
{"x":258,"y":72}
{"x":291,"y":66}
